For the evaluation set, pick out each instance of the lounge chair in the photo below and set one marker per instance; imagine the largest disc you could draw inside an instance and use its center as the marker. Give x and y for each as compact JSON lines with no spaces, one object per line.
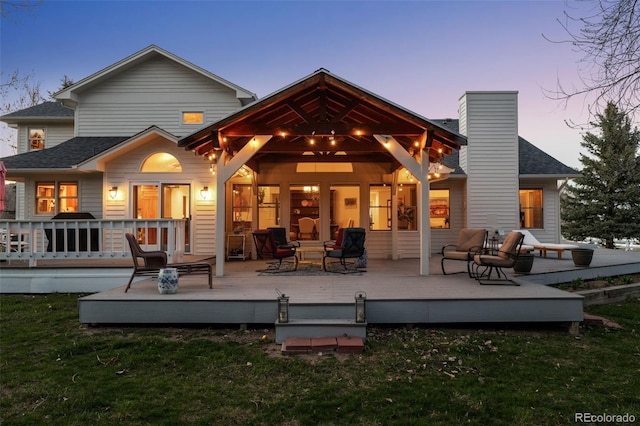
{"x":352,"y":247}
{"x":470,"y":241}
{"x":532,"y":241}
{"x":153,"y":261}
{"x":506,"y":257}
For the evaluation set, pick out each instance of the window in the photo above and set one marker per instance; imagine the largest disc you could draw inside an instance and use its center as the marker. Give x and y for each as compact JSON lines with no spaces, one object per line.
{"x":36,"y":139}
{"x":52,"y":197}
{"x":161,"y":162}
{"x":531,"y":208}
{"x":68,"y":197}
{"x":268,"y":206}
{"x":407,"y":206}
{"x":380,"y":207}
{"x":192,"y":117}
{"x":241,"y":208}
{"x":439,"y":209}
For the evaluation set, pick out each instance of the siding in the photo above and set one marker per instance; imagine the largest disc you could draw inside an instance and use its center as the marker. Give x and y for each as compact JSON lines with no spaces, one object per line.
{"x":491,"y":124}
{"x":152,"y":93}
{"x":54,"y":134}
{"x":89,"y":190}
{"x":551,"y":209}
{"x":124,"y":172}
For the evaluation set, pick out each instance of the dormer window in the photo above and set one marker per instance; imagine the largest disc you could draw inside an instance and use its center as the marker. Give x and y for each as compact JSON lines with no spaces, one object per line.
{"x":192,"y":117}
{"x":36,"y":139}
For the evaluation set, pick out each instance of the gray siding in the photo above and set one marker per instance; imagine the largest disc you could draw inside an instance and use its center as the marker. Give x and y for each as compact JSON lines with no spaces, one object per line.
{"x":155,"y":92}
{"x":54,"y":135}
{"x":491,"y":123}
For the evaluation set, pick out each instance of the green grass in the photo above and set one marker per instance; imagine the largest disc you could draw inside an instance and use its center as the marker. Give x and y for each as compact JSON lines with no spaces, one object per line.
{"x":54,"y":370}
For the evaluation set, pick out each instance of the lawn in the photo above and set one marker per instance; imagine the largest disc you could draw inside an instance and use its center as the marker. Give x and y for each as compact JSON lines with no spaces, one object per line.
{"x":54,"y":370}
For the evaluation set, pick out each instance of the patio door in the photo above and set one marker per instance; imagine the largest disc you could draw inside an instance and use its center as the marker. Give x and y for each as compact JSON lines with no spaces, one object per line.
{"x":162,"y":201}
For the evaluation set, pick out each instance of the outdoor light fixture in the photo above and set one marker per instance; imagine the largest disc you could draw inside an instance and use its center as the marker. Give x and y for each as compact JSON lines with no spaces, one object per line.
{"x":113,"y":192}
{"x":361,"y":297}
{"x":283,"y":307}
{"x":204,"y":193}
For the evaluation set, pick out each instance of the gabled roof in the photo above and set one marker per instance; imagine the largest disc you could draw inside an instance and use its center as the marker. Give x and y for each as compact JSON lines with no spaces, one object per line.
{"x":68,"y":95}
{"x":323,"y":106}
{"x":532,"y":160}
{"x":46,"y":111}
{"x":66,"y":155}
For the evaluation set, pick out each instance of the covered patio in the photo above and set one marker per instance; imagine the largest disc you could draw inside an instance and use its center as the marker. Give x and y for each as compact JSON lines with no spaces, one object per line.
{"x":324,"y":121}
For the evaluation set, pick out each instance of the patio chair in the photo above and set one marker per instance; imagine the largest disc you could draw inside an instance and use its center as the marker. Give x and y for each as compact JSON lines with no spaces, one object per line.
{"x":280,"y":234}
{"x":267,"y":248}
{"x":334,"y":244}
{"x":470,"y":241}
{"x":506,"y":257}
{"x":352,"y":247}
{"x":153,"y":261}
{"x":306,"y":228}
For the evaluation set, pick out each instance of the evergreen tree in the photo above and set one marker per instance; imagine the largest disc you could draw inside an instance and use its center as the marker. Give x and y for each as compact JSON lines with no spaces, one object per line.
{"x":604,"y":202}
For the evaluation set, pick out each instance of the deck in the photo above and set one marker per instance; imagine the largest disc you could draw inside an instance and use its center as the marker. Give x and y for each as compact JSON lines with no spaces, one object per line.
{"x":395,"y":294}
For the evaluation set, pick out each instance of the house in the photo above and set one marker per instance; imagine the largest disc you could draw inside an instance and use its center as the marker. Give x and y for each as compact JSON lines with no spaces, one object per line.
{"x":187,"y":157}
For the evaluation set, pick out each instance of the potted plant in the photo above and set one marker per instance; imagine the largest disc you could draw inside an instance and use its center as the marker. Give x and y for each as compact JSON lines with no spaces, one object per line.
{"x":582,"y":256}
{"x":524,"y":263}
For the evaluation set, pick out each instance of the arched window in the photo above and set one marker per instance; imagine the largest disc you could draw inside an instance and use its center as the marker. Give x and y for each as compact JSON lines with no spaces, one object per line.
{"x":161,"y":162}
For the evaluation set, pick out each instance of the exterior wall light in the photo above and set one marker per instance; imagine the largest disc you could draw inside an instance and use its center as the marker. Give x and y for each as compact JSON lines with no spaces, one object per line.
{"x":204,"y":193}
{"x":113,"y":192}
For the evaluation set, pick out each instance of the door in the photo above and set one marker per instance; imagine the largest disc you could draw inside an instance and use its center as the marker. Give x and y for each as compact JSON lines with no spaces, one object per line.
{"x":172,"y":202}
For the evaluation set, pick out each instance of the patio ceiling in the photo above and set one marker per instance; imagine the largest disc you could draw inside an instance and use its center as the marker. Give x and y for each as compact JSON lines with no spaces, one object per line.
{"x":323,"y":118}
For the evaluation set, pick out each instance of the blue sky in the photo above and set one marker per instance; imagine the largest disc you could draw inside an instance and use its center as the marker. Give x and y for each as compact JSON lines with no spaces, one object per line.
{"x":422,"y":55}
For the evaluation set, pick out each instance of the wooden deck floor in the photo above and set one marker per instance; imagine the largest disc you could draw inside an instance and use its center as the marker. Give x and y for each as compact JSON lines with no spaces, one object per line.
{"x":395,"y":293}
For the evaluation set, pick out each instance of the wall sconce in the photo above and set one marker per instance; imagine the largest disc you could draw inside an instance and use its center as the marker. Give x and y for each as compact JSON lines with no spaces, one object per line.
{"x":113,"y":192}
{"x":204,"y":193}
{"x":361,"y":298}
{"x":283,"y":307}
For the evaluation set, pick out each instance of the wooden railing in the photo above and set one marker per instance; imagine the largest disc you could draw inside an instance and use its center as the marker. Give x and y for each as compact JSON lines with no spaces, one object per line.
{"x":88,"y":238}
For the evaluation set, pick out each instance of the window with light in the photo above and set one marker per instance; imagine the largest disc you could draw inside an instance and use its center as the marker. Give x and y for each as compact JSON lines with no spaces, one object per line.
{"x":531,"y":208}
{"x":56,"y":197}
{"x":192,"y":117}
{"x":36,"y":139}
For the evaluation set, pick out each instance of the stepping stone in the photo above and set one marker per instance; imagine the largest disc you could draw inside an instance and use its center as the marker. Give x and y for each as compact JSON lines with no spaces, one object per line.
{"x":347,"y":344}
{"x":324,"y":344}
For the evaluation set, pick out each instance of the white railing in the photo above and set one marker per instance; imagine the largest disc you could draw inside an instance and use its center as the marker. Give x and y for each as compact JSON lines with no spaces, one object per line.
{"x":88,"y":238}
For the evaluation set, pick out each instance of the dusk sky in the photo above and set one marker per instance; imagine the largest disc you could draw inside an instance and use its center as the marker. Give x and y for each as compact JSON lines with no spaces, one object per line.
{"x":422,"y":55}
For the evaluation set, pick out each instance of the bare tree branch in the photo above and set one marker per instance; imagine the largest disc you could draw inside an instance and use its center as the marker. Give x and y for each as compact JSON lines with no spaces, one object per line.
{"x":609,"y":41}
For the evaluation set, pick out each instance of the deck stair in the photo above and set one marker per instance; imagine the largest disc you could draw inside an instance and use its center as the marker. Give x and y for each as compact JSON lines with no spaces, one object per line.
{"x":317,"y":321}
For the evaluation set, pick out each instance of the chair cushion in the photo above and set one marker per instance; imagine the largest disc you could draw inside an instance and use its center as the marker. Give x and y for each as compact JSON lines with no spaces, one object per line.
{"x":469,"y":239}
{"x":491,"y":260}
{"x":457,"y":255}
{"x":509,"y":246}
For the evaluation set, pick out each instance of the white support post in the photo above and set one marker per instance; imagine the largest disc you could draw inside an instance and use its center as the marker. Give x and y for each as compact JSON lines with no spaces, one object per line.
{"x":424,"y":213}
{"x":419,"y":169}
{"x":226,"y":169}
